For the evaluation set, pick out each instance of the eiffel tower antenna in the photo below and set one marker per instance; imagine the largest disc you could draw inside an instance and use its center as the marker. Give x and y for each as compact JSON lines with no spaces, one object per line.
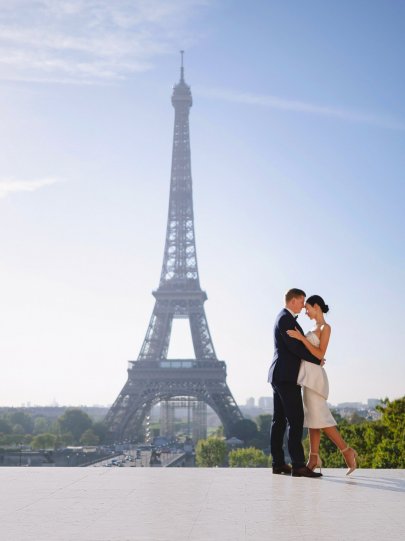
{"x":182,"y":66}
{"x":154,"y":378}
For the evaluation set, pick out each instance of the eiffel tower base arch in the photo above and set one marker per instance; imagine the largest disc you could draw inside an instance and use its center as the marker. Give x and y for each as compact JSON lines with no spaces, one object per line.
{"x":150,"y":382}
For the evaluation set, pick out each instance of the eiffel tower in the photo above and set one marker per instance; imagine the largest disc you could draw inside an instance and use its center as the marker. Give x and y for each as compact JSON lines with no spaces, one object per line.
{"x":154,"y":378}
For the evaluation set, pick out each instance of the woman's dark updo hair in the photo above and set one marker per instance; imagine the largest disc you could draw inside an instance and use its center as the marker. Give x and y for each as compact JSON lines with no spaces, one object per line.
{"x":316,"y":299}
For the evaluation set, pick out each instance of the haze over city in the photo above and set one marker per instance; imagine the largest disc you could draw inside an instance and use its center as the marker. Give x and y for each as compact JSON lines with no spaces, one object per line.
{"x":297,"y":137}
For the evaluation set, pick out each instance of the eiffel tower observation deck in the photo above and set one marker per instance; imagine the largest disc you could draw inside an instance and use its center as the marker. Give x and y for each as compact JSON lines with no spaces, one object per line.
{"x":154,"y":378}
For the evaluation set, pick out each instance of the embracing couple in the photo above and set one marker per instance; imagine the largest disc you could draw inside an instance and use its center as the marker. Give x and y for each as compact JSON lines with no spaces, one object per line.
{"x":298,"y":362}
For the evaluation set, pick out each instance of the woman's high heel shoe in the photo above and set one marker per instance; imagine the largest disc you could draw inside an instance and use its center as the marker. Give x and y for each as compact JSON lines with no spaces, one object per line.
{"x":318,"y":463}
{"x":352,"y":465}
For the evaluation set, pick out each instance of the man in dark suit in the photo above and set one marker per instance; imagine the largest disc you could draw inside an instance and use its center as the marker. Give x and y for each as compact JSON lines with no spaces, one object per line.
{"x":283,"y":374}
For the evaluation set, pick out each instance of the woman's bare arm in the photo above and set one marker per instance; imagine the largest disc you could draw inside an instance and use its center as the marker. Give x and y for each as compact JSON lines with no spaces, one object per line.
{"x":318,"y":352}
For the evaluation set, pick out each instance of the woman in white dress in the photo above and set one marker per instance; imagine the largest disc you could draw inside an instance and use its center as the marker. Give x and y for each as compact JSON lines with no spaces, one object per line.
{"x":314,"y":382}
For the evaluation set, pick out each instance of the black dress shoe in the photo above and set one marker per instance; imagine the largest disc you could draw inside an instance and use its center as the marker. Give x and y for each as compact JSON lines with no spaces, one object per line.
{"x":304,"y":472}
{"x":285,"y":469}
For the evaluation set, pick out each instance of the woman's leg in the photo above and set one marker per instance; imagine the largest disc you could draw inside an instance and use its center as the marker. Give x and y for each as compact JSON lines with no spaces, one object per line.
{"x":333,"y":434}
{"x":311,"y":406}
{"x":348,"y":453}
{"x":314,"y":441}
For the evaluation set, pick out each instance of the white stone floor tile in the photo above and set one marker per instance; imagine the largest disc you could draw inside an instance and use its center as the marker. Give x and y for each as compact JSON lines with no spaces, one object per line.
{"x":192,"y":504}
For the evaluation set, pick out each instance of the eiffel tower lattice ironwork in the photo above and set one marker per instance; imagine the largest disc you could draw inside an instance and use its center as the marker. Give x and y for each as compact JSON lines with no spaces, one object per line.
{"x":153,"y":377}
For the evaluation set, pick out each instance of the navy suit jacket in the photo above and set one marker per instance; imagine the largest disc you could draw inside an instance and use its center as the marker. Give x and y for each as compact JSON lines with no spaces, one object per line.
{"x":288,"y":351}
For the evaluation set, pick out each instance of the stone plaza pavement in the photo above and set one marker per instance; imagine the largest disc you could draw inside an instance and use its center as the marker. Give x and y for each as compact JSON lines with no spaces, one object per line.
{"x":196,"y":504}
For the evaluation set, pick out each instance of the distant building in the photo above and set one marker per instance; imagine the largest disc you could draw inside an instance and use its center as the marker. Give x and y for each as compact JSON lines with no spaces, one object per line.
{"x":373,"y":402}
{"x":367,"y":411}
{"x":351,"y":405}
{"x":251,"y":412}
{"x":266,"y":403}
{"x":250,"y":402}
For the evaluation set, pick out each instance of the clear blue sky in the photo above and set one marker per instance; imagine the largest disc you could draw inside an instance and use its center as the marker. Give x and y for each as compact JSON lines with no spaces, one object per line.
{"x":297,"y":134}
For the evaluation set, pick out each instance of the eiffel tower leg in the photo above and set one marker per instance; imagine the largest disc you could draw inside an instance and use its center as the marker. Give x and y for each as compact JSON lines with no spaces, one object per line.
{"x":156,"y":343}
{"x":201,"y":336}
{"x":224,"y":405}
{"x":127,"y":414}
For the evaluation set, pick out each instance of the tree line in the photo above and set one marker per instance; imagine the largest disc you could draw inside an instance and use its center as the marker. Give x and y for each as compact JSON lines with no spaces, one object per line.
{"x":380,"y":444}
{"x":73,"y":427}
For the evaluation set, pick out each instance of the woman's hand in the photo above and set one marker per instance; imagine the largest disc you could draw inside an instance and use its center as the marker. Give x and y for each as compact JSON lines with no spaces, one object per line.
{"x":295,"y":334}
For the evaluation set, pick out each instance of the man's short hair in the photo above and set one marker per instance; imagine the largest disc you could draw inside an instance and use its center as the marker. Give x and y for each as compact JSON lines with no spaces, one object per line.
{"x":293,"y":294}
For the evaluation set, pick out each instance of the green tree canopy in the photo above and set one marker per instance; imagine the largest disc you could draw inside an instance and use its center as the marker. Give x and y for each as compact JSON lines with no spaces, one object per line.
{"x":210,"y":452}
{"x":100,"y":430}
{"x":12,"y":440}
{"x":19,"y":417}
{"x":41,"y":425}
{"x":264,"y":424}
{"x":245,"y":430}
{"x":390,"y":452}
{"x":74,"y":421}
{"x":5,"y":427}
{"x":66,"y":439}
{"x":379,"y":444}
{"x":89,"y":437}
{"x":248,"y":458}
{"x":44,"y":441}
{"x":18,"y":429}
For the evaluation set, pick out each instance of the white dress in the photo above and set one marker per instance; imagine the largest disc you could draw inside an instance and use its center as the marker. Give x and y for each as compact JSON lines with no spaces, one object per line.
{"x":315,"y":385}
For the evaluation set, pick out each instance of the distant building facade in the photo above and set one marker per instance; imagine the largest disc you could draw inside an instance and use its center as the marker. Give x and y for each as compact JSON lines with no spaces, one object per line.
{"x":266,"y":404}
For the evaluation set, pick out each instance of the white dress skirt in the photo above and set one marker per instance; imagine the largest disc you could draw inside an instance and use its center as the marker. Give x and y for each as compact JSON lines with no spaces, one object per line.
{"x":315,"y":386}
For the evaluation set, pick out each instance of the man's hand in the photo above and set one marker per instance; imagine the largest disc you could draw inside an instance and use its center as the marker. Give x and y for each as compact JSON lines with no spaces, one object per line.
{"x":323,"y":362}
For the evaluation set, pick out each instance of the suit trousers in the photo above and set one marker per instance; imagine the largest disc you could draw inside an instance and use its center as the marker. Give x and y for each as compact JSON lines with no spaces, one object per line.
{"x":288,"y":408}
